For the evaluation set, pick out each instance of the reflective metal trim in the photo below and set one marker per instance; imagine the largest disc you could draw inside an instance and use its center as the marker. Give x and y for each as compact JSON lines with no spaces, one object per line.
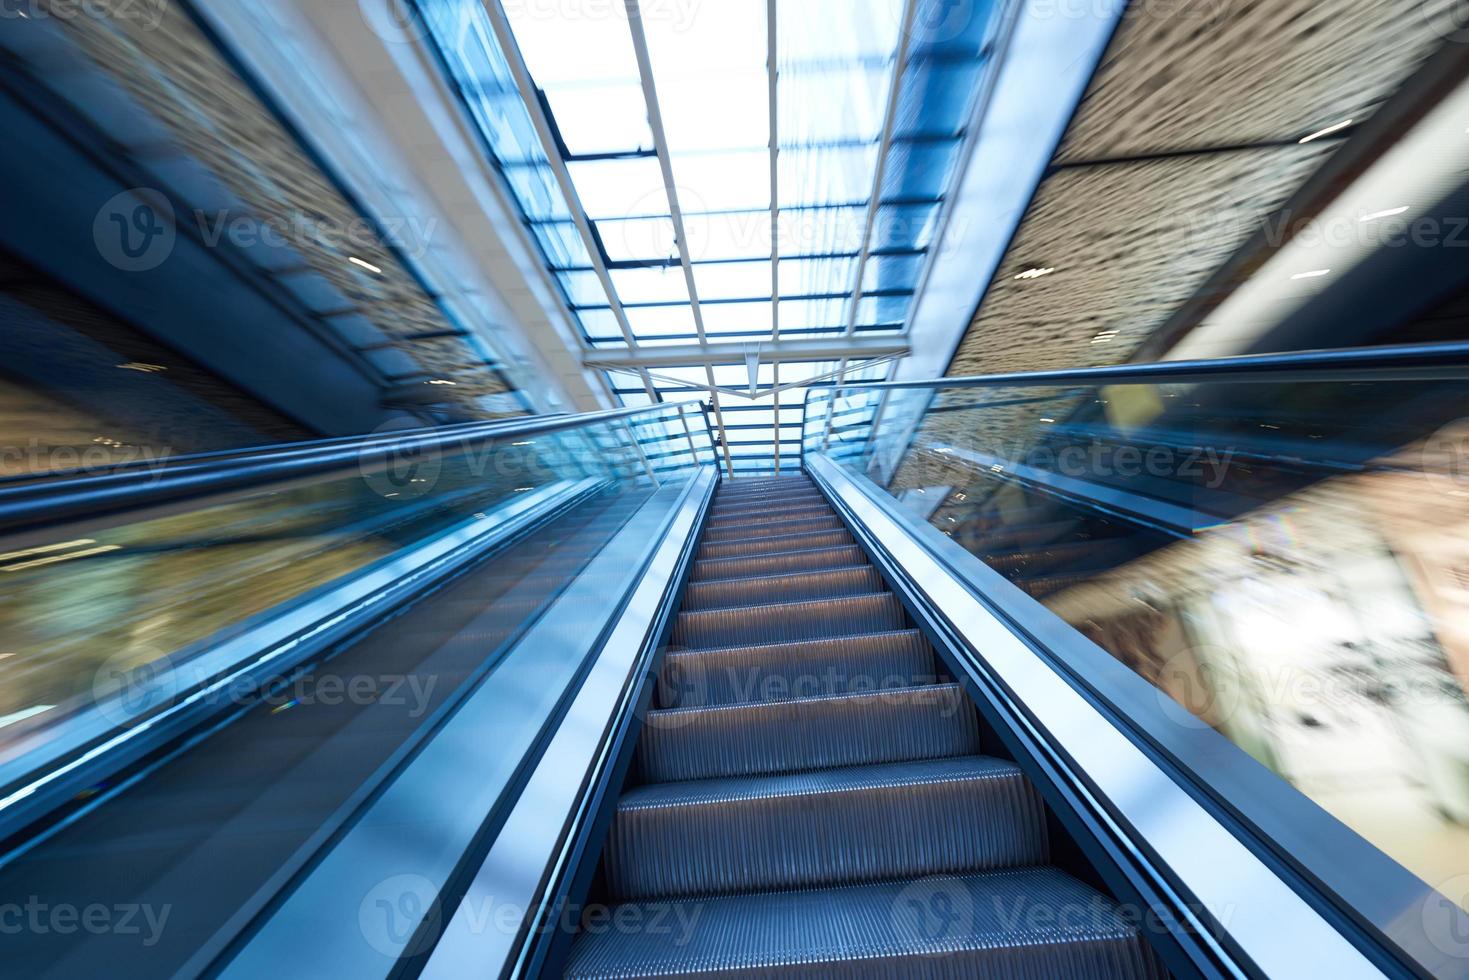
{"x":1230,"y":890}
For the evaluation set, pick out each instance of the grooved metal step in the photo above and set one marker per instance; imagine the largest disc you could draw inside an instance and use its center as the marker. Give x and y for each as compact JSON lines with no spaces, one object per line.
{"x":713,"y":570}
{"x":804,"y":498}
{"x":837,"y":826}
{"x":769,"y":529}
{"x":774,"y":545}
{"x":772,"y":501}
{"x":1027,"y":924}
{"x":765,"y":515}
{"x":810,"y":733}
{"x":804,"y":669}
{"x":785,"y":621}
{"x":766,"y":495}
{"x":826,"y":583}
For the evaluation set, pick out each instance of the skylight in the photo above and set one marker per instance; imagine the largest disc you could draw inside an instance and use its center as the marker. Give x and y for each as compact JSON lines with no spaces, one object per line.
{"x":584,"y":106}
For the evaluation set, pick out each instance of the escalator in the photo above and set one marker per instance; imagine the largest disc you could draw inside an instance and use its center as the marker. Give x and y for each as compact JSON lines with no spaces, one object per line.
{"x":548,"y":697}
{"x":811,"y":795}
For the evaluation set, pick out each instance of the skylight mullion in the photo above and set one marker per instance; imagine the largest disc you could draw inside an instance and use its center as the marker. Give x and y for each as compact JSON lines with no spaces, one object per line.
{"x":660,"y":142}
{"x":510,"y":50}
{"x":900,"y":64}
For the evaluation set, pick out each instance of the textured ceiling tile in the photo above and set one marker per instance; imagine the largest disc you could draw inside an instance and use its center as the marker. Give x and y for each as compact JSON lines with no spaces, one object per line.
{"x":1129,"y":243}
{"x":1185,"y":74}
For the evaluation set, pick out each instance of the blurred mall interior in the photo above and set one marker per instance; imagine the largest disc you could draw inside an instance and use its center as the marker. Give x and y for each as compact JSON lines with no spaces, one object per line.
{"x":835,"y":488}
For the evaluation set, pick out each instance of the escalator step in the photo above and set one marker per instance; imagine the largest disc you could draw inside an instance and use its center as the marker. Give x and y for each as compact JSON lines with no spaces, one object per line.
{"x":1028,"y":924}
{"x":776,"y":545}
{"x":776,"y":564}
{"x":784,"y":500}
{"x":761,"y":505}
{"x":756,"y":516}
{"x":826,"y":583}
{"x":749,"y":531}
{"x":786,"y":621}
{"x":752,"y":483}
{"x":764,"y":493}
{"x":909,"y":723}
{"x":782,"y":671}
{"x":836,"y":826}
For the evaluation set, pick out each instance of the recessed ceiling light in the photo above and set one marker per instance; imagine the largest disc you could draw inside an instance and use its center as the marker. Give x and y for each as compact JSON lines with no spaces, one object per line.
{"x":1383,"y":214}
{"x":1326,"y":132}
{"x":1036,"y":272}
{"x":1311,"y":274}
{"x":366,"y":265}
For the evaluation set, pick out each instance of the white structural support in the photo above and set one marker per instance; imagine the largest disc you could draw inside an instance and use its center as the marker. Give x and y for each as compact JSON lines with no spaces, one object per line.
{"x":879,"y":173}
{"x":505,"y":37}
{"x":675,"y":213}
{"x":694,"y":355}
{"x":772,"y":78}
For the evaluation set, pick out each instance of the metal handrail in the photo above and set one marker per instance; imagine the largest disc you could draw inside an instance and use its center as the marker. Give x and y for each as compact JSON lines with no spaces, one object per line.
{"x":1399,"y":362}
{"x":1405,"y":362}
{"x":47,"y":500}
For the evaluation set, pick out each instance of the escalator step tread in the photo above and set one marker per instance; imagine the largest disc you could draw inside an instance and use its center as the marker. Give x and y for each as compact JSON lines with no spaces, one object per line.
{"x":762,"y":502}
{"x":806,"y":668}
{"x":786,"y":621}
{"x":712,"y":570}
{"x":827,"y":583}
{"x":768,"y":529}
{"x":834,"y":826}
{"x":756,"y":517}
{"x":1023,"y":924}
{"x":775,"y":545}
{"x":909,"y":723}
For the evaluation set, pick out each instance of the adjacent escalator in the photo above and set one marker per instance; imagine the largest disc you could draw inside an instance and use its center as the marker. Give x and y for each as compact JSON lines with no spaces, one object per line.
{"x":810,"y":795}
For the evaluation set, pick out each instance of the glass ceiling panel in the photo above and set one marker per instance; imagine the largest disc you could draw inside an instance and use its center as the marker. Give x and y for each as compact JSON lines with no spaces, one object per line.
{"x":582,"y":288}
{"x":709,"y":65}
{"x":732,"y":280}
{"x":638,"y":239}
{"x":659,"y":321}
{"x":825,"y":174}
{"x":728,"y":235}
{"x":727,"y":317}
{"x":589,"y":73}
{"x":733,"y":180}
{"x":631,"y":188}
{"x":815,"y":276}
{"x":665,"y":285}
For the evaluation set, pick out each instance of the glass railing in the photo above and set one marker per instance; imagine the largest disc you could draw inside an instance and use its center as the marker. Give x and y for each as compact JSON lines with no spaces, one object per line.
{"x":1279,"y":545}
{"x":241,"y":666}
{"x":121,"y":591}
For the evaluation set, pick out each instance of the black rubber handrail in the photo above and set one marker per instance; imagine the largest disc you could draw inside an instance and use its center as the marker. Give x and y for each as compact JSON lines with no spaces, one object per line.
{"x":47,"y":500}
